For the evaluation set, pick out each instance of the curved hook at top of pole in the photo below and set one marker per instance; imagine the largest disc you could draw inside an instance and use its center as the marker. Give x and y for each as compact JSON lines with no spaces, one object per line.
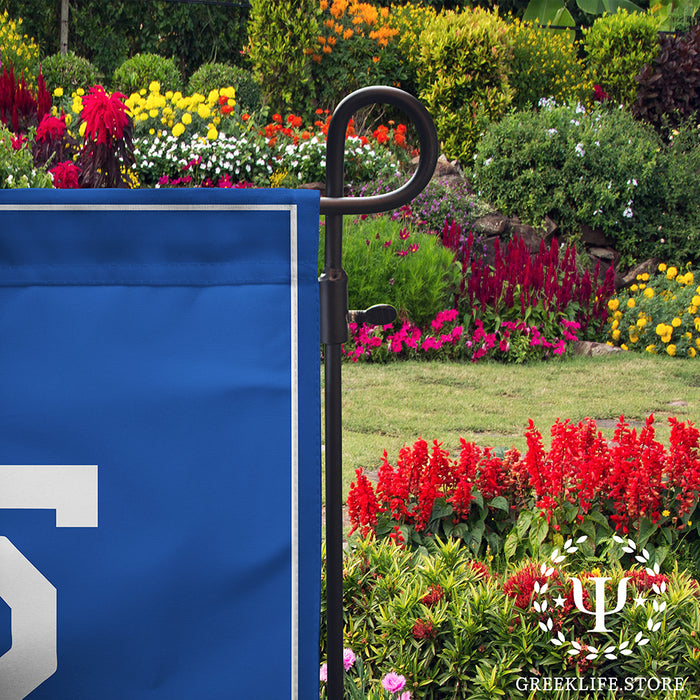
{"x":334,"y":202}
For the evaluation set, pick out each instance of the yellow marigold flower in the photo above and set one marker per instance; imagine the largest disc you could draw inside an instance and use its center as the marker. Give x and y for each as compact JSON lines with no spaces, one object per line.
{"x":178,"y":129}
{"x":82,"y":129}
{"x":651,"y":349}
{"x":617,"y":315}
{"x":80,"y":92}
{"x":58,"y":92}
{"x":634,"y":287}
{"x":645,"y":277}
{"x":615,"y":324}
{"x":186,"y":118}
{"x":153,"y":113}
{"x":692,"y":309}
{"x":676,"y":322}
{"x":641,"y":322}
{"x":212,"y":133}
{"x":624,"y":347}
{"x":662,"y":267}
{"x":630,"y":303}
{"x":203,"y":111}
{"x":695,"y":301}
{"x":661,"y":329}
{"x":634,"y":338}
{"x":671,"y":272}
{"x":616,"y":335}
{"x":649,"y":292}
{"x":213,"y":96}
{"x":154,"y":86}
{"x":689,"y":279}
{"x":666,"y":513}
{"x":691,"y":352}
{"x":671,"y":350}
{"x":642,"y":285}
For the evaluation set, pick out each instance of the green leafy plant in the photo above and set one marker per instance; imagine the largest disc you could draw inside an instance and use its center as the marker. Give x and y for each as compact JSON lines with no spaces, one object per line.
{"x":69,"y":72}
{"x":463,"y":71}
{"x":658,"y":314}
{"x":17,"y":168}
{"x":139,"y":71}
{"x":388,"y":262}
{"x":596,"y":168}
{"x":214,"y":76}
{"x":617,"y":47}
{"x":281,"y":38}
{"x":546,"y":64}
{"x":453,"y":628}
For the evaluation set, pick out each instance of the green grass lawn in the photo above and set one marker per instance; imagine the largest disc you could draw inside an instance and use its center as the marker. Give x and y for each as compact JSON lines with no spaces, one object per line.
{"x":387,"y":406}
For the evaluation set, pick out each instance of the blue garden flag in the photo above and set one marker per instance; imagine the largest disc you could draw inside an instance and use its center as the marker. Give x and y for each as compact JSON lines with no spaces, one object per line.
{"x":159,"y":445}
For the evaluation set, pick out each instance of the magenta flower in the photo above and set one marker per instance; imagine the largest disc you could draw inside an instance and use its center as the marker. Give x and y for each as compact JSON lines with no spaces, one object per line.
{"x":393,"y":682}
{"x":105,"y":115}
{"x":348,"y":659}
{"x":323,"y":673}
{"x":65,"y":175}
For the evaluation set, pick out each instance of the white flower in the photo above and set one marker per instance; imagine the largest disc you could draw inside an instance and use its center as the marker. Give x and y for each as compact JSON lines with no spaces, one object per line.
{"x":488,"y":162}
{"x":552,"y":132}
{"x":579,"y":150}
{"x":628,"y":213}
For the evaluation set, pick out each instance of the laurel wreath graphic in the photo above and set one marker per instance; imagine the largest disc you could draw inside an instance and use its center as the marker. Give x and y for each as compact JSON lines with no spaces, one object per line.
{"x":626,"y":647}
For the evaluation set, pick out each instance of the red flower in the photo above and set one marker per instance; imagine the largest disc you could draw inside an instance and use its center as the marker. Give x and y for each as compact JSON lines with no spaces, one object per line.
{"x":51,"y":129}
{"x":105,"y":115}
{"x":423,"y":629}
{"x":362,"y":505}
{"x":65,"y":176}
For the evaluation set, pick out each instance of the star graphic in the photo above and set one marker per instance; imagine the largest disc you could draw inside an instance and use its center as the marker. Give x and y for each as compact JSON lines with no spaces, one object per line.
{"x":559,"y":601}
{"x":639,"y":601}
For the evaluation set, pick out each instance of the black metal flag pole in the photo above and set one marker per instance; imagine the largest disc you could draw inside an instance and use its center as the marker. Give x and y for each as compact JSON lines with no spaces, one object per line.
{"x":333,"y":284}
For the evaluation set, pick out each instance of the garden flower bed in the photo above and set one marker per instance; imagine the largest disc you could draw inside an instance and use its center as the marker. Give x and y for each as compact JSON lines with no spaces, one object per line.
{"x":450,"y":548}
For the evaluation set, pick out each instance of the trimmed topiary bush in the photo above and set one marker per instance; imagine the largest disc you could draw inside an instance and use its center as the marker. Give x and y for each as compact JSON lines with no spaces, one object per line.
{"x":463,"y":69}
{"x":617,"y":48}
{"x":69,"y":72}
{"x":138,"y":72}
{"x":214,"y":76}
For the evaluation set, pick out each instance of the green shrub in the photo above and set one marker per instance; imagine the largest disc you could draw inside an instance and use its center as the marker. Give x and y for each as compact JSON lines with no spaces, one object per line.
{"x":617,"y":48}
{"x":18,"y":49}
{"x":599,"y":169}
{"x":388,"y":263}
{"x":546,"y":64}
{"x":456,"y":631}
{"x":669,"y":87}
{"x":138,"y":72}
{"x":17,"y":169}
{"x":410,"y":20}
{"x":463,"y":72}
{"x":281,"y":38}
{"x":69,"y":72}
{"x":357,"y":46}
{"x":214,"y":76}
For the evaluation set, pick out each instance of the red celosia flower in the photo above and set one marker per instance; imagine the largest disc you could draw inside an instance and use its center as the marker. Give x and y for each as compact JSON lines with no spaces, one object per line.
{"x":105,"y":115}
{"x":65,"y":175}
{"x":51,"y":128}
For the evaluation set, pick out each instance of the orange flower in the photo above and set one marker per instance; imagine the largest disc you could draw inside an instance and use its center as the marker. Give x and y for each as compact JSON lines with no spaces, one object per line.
{"x":245,"y":117}
{"x":327,"y":49}
{"x":332,"y":40}
{"x":338,"y":8}
{"x":347,"y":33}
{"x":323,"y":5}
